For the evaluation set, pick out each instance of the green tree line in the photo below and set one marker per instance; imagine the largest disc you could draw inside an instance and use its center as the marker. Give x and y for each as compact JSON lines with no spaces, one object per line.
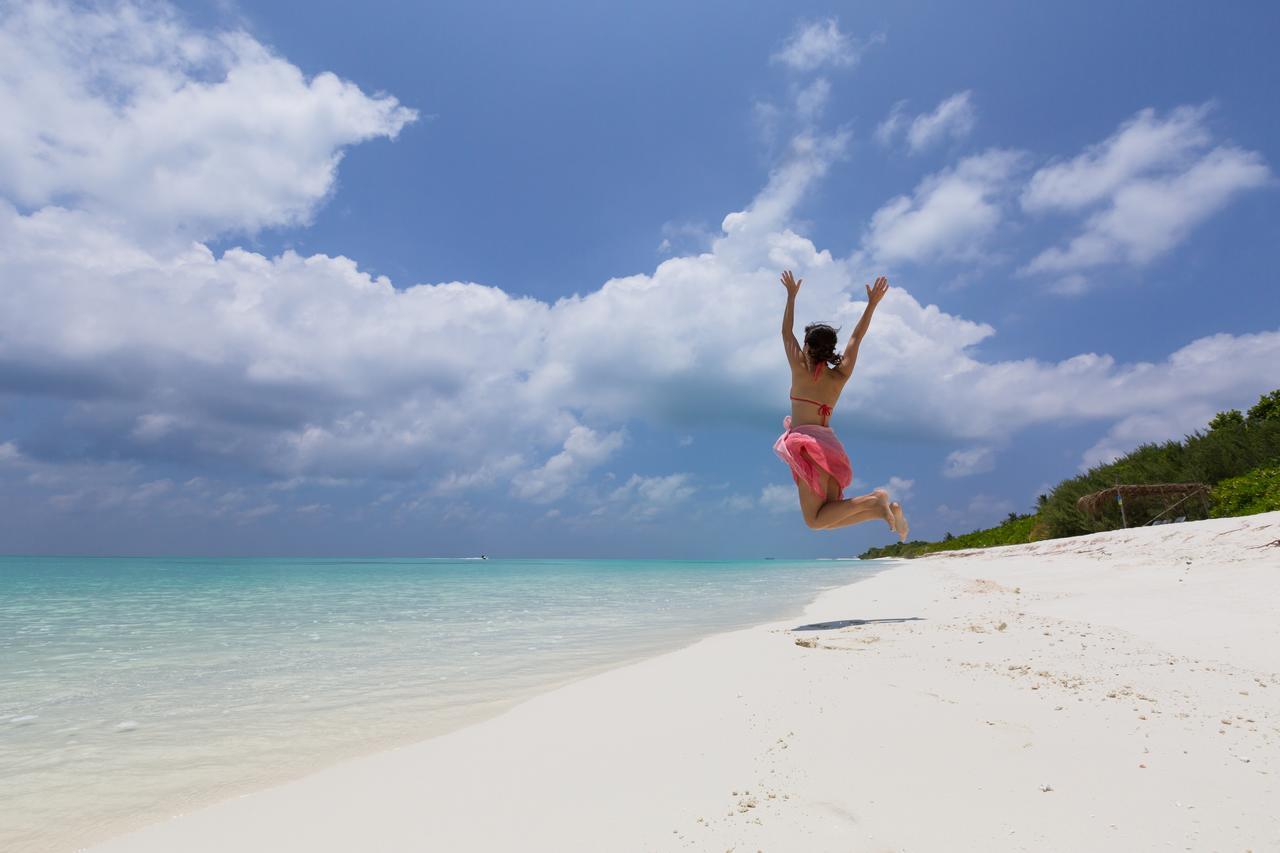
{"x":1238,"y":454}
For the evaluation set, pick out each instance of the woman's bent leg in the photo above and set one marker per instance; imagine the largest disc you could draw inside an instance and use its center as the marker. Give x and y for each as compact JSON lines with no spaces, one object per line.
{"x":844,"y":513}
{"x":810,"y":502}
{"x":827,"y":511}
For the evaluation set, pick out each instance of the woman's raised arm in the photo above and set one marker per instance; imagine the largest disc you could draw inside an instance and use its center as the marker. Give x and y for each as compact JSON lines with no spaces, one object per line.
{"x":874,"y":295}
{"x":795,"y":354}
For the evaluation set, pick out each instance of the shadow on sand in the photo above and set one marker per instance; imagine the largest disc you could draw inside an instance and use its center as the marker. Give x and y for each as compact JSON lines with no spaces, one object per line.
{"x":852,"y":623}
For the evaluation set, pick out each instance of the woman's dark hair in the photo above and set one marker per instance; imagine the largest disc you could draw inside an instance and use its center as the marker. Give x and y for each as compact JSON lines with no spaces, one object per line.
{"x":821,"y":341}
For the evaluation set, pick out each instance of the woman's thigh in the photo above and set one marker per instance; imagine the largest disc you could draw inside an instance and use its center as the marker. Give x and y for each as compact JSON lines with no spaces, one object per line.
{"x":811,"y":501}
{"x":832,"y":487}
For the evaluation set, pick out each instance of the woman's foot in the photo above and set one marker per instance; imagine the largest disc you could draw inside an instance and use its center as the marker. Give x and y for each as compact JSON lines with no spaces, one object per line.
{"x":886,"y":511}
{"x":900,"y":525}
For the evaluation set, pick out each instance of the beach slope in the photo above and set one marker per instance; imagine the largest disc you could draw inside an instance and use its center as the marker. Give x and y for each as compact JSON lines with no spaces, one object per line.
{"x":1111,"y":692}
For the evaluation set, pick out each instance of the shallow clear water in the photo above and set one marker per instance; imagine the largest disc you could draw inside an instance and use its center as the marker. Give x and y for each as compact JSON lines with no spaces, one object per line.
{"x":132,"y":689}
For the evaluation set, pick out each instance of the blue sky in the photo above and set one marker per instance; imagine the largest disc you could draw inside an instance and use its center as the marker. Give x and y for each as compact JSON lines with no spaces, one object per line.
{"x":313,"y":278}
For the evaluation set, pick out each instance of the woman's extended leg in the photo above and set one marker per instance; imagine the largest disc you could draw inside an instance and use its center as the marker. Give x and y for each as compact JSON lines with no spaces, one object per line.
{"x":842,"y":513}
{"x":827,"y":511}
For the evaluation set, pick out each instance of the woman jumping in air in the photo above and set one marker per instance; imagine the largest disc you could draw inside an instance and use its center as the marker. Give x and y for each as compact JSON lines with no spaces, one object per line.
{"x":818,"y":462}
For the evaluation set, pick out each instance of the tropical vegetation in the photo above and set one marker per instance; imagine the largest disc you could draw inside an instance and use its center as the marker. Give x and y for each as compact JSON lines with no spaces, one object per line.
{"x":1237,"y":455}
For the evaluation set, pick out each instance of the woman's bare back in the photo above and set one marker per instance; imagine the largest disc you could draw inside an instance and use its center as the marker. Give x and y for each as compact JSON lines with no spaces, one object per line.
{"x":808,"y":394}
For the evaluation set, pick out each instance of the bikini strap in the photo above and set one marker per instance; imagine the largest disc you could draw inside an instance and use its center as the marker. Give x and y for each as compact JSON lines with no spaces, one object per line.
{"x":823,"y":408}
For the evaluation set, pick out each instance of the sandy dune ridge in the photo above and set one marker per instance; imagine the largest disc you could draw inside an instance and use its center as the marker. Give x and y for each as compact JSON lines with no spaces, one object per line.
{"x":1111,"y":692}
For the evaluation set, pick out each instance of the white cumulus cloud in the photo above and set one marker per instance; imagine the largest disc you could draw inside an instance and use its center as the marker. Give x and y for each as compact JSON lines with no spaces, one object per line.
{"x":953,"y":118}
{"x":818,"y":44}
{"x":949,"y":215}
{"x":969,"y":461}
{"x":1144,"y":189}
{"x":778,"y":499}
{"x":126,"y":111}
{"x":812,"y":100}
{"x":899,"y":488}
{"x":646,"y":497}
{"x":584,"y":450}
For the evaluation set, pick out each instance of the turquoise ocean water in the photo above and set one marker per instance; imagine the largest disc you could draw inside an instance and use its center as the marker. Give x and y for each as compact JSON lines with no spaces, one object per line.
{"x":132,"y":689}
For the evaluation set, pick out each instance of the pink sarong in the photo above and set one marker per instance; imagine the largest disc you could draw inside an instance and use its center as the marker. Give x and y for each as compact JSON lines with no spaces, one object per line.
{"x":809,"y":450}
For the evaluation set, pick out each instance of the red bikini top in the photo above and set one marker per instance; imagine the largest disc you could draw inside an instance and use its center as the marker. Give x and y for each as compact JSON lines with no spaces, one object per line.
{"x":823,"y":408}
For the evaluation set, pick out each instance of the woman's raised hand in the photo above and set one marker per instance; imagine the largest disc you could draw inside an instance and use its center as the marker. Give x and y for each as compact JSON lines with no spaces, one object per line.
{"x":876,"y":293}
{"x":791,"y":283}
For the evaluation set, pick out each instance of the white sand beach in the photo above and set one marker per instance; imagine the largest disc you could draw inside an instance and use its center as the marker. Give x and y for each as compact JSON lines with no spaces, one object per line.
{"x":1111,"y":692}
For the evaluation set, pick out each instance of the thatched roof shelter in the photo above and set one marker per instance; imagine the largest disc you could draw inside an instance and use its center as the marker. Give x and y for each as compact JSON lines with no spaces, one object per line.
{"x":1093,"y":504}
